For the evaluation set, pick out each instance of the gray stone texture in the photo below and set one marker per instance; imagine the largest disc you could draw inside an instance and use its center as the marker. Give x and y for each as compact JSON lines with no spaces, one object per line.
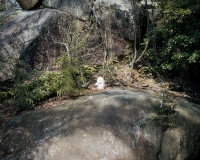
{"x":110,"y":125}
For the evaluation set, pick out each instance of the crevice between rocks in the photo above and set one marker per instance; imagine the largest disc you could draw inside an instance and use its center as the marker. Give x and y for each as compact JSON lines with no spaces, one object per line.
{"x":38,"y":5}
{"x":158,"y":155}
{"x":198,"y":155}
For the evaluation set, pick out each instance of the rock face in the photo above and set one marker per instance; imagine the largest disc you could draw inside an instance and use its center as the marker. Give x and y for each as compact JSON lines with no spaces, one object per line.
{"x":24,"y":34}
{"x":110,"y":125}
{"x":20,"y":34}
{"x":77,"y":8}
{"x":28,"y":4}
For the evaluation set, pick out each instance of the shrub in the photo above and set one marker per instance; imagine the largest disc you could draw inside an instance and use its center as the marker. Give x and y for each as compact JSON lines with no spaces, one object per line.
{"x":24,"y":96}
{"x":177,"y":37}
{"x":165,"y":111}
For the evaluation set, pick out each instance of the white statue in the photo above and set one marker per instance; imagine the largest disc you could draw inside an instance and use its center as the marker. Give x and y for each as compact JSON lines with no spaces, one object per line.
{"x":100,"y":83}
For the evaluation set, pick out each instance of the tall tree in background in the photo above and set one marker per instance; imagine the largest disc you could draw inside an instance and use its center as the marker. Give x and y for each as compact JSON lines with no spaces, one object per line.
{"x":138,"y":13}
{"x":177,"y":37}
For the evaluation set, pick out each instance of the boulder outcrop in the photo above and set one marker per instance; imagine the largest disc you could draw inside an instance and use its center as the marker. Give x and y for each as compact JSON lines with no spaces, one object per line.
{"x":77,"y":8}
{"x":28,"y":4}
{"x":24,"y":34}
{"x":20,"y":33}
{"x":112,"y":125}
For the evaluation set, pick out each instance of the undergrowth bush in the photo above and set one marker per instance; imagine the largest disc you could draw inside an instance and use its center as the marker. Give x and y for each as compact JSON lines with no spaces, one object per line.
{"x":30,"y":87}
{"x":165,"y":111}
{"x":109,"y":71}
{"x":24,"y":96}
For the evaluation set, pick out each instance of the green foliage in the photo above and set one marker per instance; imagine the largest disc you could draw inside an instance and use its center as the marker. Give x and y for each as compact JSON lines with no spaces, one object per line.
{"x":109,"y":73}
{"x":5,"y":61}
{"x":145,"y":71}
{"x":87,"y":71}
{"x":24,"y":96}
{"x":21,"y":70}
{"x":1,"y":5}
{"x":165,"y":111}
{"x":177,"y":37}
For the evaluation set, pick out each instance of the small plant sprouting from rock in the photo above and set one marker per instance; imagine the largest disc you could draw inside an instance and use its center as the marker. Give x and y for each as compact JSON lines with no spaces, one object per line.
{"x":165,"y":111}
{"x":109,"y":72}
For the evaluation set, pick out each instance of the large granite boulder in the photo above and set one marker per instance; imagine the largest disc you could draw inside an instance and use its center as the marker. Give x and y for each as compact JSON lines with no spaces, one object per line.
{"x":112,"y":125}
{"x":28,"y":4}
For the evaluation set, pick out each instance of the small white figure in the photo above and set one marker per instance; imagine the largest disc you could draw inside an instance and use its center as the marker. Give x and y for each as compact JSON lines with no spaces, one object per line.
{"x":100,"y":83}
